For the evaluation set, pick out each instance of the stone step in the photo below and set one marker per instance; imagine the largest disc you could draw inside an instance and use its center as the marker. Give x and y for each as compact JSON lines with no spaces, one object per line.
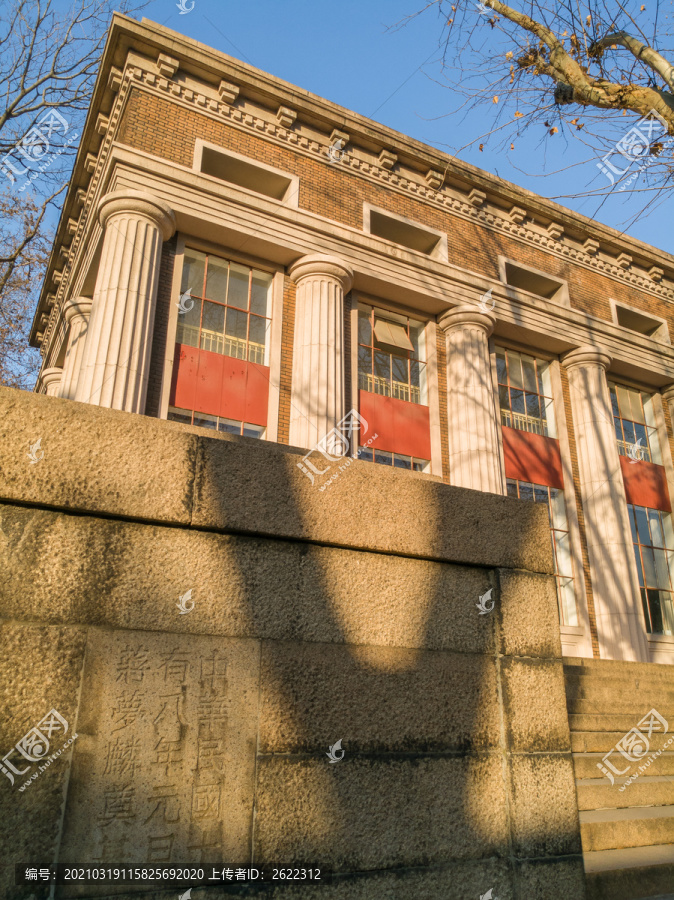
{"x":595,"y":741}
{"x":599,"y":721}
{"x":626,"y":705}
{"x":585,"y":765}
{"x":616,"y":669}
{"x":647,"y":790}
{"x":613,"y":829}
{"x":640,"y":873}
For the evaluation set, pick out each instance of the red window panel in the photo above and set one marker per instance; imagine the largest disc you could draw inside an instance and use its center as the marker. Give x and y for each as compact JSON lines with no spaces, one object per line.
{"x":645,"y":484}
{"x":532,"y":458}
{"x":401,"y":427}
{"x":220,"y":385}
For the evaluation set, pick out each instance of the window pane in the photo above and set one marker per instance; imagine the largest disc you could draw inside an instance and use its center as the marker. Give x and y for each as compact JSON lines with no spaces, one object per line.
{"x":383,"y":456}
{"x":657,"y":621}
{"x":657,"y":537}
{"x":253,"y":431}
{"x":667,"y":613}
{"x":402,"y":462}
{"x":179,"y":415}
{"x":187,"y":331}
{"x":230,"y":426}
{"x":667,"y":530}
{"x":637,"y":414}
{"x":649,"y":568}
{"x":533,"y":406}
{"x":260,"y":299}
{"x":614,"y":400}
{"x":563,"y":546}
{"x":503,"y":396}
{"x":618,"y":429}
{"x":237,"y":294}
{"x":422,"y":465}
{"x":642,"y":525}
{"x":257,"y":339}
{"x":236,"y":324}
{"x":216,"y":279}
{"x":364,"y":328}
{"x":501,"y":367}
{"x":628,"y":431}
{"x":418,"y":338}
{"x":399,"y":369}
{"x":517,"y":401}
{"x":193,"y":272}
{"x":526,"y":491}
{"x":529,"y":373}
{"x":204,"y":421}
{"x":382,"y":365}
{"x":558,"y":509}
{"x":623,"y":402}
{"x":365,"y":453}
{"x":567,"y":601}
{"x":365,"y":362}
{"x":212,"y":327}
{"x":514,"y":369}
{"x":511,"y":487}
{"x":661,"y":569}
{"x":541,"y":494}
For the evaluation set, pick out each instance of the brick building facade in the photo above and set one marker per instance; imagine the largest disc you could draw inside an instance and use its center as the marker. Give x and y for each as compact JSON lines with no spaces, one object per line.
{"x":238,"y":254}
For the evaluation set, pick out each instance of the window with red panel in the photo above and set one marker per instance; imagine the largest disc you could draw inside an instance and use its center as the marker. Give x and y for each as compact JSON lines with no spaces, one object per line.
{"x":221,"y":365}
{"x":393,"y":394}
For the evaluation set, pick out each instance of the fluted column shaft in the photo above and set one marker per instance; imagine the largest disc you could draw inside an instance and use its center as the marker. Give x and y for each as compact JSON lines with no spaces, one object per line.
{"x":76,"y":314}
{"x":317,"y":402}
{"x":51,"y":379}
{"x":117,"y":350}
{"x":474,"y":451}
{"x":615,"y":585}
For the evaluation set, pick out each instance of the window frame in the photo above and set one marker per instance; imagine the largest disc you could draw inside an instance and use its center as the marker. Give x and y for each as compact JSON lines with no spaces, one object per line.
{"x":560,"y":297}
{"x":397,"y":318}
{"x":641,"y":569}
{"x":538,"y":361}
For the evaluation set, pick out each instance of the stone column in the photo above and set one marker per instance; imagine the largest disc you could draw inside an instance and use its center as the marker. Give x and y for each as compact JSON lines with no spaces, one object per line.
{"x":117,"y":350}
{"x":51,"y":380}
{"x":474,"y":451}
{"x":615,"y":586}
{"x":76,"y":313}
{"x":317,"y":400}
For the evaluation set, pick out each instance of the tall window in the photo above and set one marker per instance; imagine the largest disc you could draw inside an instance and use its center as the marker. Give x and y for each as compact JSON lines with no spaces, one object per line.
{"x":525,"y":393}
{"x":553,"y":498}
{"x":391,"y":356}
{"x":654,"y":550}
{"x":634,"y":420}
{"x":231,"y":314}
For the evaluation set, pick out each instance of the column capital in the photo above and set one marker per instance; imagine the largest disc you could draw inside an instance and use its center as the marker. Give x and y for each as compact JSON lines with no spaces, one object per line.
{"x":81,"y":306}
{"x":317,"y":264}
{"x":142,"y":203}
{"x":668,"y":393}
{"x":467,"y":314}
{"x":585,"y":357}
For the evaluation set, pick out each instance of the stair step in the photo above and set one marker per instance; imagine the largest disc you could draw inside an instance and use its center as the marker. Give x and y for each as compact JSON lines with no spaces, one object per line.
{"x":640,"y":873}
{"x":609,"y":829}
{"x":585,"y":765}
{"x":647,"y":790}
{"x":631,"y":706}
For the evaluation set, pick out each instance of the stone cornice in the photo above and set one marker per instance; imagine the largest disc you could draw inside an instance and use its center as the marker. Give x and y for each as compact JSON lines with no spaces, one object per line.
{"x":559,"y":231}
